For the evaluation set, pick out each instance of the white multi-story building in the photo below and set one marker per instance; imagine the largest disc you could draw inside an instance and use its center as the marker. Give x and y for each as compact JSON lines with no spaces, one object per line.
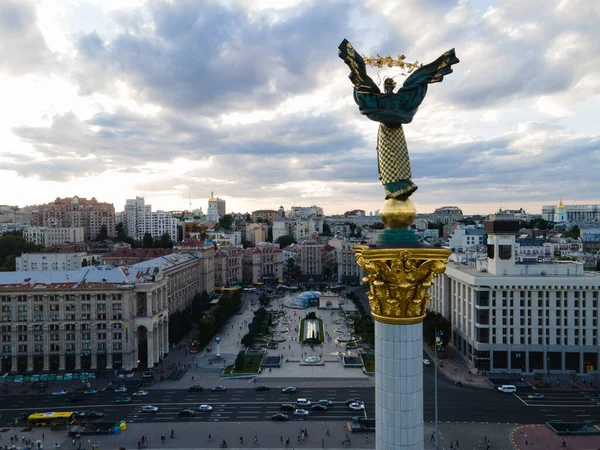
{"x":305,"y":212}
{"x":522,"y":318}
{"x":139,"y":219}
{"x":299,"y":229}
{"x":97,"y":318}
{"x":50,"y":236}
{"x":466,"y":238}
{"x":349,"y":272}
{"x":52,"y":261}
{"x":528,"y":250}
{"x":227,"y":238}
{"x":574,"y":213}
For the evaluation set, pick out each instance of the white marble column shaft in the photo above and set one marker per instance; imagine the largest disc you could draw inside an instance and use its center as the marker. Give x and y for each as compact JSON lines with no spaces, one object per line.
{"x":399,"y":386}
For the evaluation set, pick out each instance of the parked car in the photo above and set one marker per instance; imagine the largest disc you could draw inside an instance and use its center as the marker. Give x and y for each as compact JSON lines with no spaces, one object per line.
{"x":140,"y":393}
{"x":121,"y":390}
{"x":426,"y":362}
{"x":219,"y":389}
{"x":123,"y":400}
{"x":196,"y":388}
{"x":75,"y":399}
{"x":288,"y":390}
{"x":356,"y":406}
{"x":325,"y":402}
{"x":91,"y":392}
{"x":262,"y":388}
{"x":205,"y":408}
{"x":536,"y":396}
{"x":61,"y":392}
{"x":288,"y":407}
{"x":301,"y":413}
{"x":149,"y":409}
{"x":94,"y":415}
{"x":319,"y":407}
{"x":280,"y":417}
{"x":186,"y":413}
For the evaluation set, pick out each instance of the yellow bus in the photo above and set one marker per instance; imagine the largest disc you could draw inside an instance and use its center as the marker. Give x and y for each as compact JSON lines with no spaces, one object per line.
{"x":51,"y":419}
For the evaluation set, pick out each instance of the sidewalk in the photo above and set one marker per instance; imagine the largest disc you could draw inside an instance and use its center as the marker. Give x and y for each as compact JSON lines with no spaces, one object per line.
{"x":541,"y":437}
{"x":454,"y":367}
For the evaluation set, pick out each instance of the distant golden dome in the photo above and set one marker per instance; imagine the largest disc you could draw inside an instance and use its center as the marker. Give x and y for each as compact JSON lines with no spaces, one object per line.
{"x":560,"y":205}
{"x":212,"y":199}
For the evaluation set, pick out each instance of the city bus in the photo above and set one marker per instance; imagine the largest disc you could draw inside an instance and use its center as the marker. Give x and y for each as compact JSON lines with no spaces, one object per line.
{"x":51,"y":419}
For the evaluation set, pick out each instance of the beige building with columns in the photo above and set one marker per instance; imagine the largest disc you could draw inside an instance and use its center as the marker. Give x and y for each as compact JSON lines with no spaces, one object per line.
{"x":95,"y":318}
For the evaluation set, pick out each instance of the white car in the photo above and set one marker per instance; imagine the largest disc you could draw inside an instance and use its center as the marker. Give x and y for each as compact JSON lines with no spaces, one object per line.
{"x":356,"y":406}
{"x":121,"y":390}
{"x":426,"y":362}
{"x":140,"y":393}
{"x":149,"y":409}
{"x":301,"y":413}
{"x":61,"y":392}
{"x":205,"y":408}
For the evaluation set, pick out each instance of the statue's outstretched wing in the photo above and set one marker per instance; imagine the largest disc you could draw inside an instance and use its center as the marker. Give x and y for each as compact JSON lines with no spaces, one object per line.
{"x":358,"y":70}
{"x":433,"y":72}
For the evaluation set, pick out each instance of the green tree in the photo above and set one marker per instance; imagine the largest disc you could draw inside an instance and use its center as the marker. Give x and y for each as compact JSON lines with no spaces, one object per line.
{"x":147,"y":241}
{"x":378,"y":226}
{"x":574,"y":232}
{"x":226,"y":221}
{"x":103,"y":234}
{"x":246,"y":244}
{"x":326,"y":230}
{"x":540,"y":224}
{"x":12,"y":245}
{"x":286,"y":240}
{"x":164,"y":241}
{"x":239,"y":361}
{"x":435,"y":321}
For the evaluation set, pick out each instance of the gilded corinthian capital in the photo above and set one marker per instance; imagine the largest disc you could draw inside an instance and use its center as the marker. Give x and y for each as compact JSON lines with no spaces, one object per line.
{"x":400,"y":279}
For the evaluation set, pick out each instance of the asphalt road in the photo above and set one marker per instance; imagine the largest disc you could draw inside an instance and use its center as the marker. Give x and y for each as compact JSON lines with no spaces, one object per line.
{"x":454,"y":404}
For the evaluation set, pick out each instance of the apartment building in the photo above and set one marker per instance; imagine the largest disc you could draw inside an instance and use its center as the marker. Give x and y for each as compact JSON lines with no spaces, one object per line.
{"x":269,"y":215}
{"x":139,"y":219}
{"x":467,"y":238}
{"x":75,"y":212}
{"x":348,"y":270}
{"x":508,"y":316}
{"x":314,"y":258}
{"x":262,"y":264}
{"x":257,"y":232}
{"x":51,"y":236}
{"x":228,"y":266}
{"x":52,"y":261}
{"x":97,"y":318}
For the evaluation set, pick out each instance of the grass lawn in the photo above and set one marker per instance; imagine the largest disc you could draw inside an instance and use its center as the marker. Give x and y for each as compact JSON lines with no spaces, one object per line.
{"x":251,"y":364}
{"x":369,"y":362}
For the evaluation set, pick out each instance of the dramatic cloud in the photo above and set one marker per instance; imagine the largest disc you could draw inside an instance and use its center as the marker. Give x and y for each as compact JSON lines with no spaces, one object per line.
{"x":251,"y":101}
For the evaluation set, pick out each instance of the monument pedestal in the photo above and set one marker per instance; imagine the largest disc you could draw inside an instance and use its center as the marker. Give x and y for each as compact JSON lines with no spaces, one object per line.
{"x":399,"y":386}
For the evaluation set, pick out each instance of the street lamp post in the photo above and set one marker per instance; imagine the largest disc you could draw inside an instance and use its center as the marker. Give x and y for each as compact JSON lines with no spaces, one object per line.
{"x":438,"y":345}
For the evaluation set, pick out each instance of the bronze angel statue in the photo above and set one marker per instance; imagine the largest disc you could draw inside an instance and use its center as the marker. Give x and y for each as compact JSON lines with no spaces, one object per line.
{"x":392,"y":109}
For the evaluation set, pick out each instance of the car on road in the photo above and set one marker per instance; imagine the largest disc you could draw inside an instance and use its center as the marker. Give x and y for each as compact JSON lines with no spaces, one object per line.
{"x":149,"y":409}
{"x":196,"y":388}
{"x":91,"y":392}
{"x":219,"y":389}
{"x":426,"y":362}
{"x":205,"y":408}
{"x":262,"y":388}
{"x":356,"y":406}
{"x":121,"y":390}
{"x":75,"y":399}
{"x":280,"y":417}
{"x":186,"y":413}
{"x":288,"y":390}
{"x":350,"y":401}
{"x":319,"y":407}
{"x":536,"y":396}
{"x":301,"y":413}
{"x":94,"y":415}
{"x":325,"y":402}
{"x":80,"y":414}
{"x":61,"y":392}
{"x":140,"y":393}
{"x":287,"y":407}
{"x":123,"y":400}
{"x":303,"y":402}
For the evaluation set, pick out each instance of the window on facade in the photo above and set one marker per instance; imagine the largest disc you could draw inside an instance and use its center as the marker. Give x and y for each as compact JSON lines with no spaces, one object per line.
{"x":505,"y":251}
{"x":490,"y":251}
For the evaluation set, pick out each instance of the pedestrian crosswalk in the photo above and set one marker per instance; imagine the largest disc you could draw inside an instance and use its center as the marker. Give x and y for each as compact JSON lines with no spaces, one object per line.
{"x":565,"y":399}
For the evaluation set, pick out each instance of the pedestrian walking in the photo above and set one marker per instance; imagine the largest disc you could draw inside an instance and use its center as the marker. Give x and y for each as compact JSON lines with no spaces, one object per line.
{"x":327,"y":432}
{"x":209,"y":437}
{"x":456,"y":445}
{"x":366,"y":438}
{"x":322,"y":443}
{"x":432,"y":437}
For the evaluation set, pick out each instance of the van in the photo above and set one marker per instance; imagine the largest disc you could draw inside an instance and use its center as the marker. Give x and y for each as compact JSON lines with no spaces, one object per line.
{"x":303,"y":402}
{"x":509,"y":388}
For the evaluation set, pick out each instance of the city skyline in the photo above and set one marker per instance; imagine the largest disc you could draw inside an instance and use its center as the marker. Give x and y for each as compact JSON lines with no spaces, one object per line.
{"x":118,"y":99}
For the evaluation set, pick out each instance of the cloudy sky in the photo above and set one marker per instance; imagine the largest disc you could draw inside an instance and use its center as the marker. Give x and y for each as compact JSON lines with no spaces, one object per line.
{"x":167,"y":99}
